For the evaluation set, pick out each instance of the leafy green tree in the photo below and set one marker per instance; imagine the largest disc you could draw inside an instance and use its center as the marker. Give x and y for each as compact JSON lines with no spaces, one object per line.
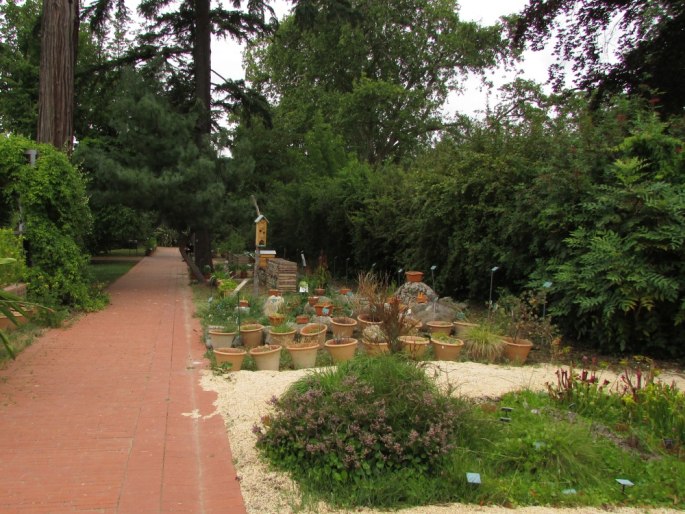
{"x":376,"y":71}
{"x":650,"y":45}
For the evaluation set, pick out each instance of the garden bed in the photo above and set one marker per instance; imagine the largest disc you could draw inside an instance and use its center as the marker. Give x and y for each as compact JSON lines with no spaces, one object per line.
{"x":242,"y":401}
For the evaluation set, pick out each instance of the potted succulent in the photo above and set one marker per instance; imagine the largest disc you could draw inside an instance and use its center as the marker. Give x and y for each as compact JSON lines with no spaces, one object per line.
{"x":283,"y":334}
{"x":445,"y":347}
{"x":267,"y":357}
{"x":341,"y":348}
{"x":374,"y":340}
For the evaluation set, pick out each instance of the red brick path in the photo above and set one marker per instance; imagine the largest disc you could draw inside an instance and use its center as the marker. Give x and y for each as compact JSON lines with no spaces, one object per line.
{"x":107,"y":415}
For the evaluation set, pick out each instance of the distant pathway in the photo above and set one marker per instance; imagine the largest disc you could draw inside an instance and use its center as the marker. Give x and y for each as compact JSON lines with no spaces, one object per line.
{"x":107,"y":415}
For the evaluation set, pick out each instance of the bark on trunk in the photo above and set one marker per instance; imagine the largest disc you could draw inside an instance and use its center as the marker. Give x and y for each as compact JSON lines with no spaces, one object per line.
{"x":202,"y":58}
{"x":197,"y":273}
{"x":59,"y":41}
{"x":203,"y":249}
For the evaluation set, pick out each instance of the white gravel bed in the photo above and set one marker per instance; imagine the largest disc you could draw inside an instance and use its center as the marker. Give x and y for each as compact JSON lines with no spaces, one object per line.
{"x":242,"y":401}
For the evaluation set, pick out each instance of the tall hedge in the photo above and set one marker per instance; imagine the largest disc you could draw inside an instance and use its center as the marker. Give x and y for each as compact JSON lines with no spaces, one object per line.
{"x":50,"y":201}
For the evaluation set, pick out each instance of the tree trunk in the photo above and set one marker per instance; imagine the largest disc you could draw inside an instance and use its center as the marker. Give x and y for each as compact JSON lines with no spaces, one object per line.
{"x":203,"y":249}
{"x":202,"y":58}
{"x":59,"y":43}
{"x":182,"y":244}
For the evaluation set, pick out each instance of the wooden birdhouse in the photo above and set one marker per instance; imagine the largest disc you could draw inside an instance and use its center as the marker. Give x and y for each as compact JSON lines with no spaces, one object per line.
{"x":261,"y":224}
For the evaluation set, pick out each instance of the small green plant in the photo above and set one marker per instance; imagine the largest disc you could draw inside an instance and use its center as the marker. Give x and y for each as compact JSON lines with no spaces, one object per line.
{"x":283,"y":328}
{"x":444,"y":338}
{"x":483,"y":344}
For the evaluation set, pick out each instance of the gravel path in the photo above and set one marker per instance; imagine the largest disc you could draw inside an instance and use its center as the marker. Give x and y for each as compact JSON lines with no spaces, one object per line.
{"x":242,"y":398}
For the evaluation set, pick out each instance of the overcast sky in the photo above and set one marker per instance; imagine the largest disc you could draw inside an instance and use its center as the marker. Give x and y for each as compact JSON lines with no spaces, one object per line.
{"x":227,"y":55}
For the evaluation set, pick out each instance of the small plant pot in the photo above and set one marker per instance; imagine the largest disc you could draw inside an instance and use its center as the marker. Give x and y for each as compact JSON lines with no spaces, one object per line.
{"x":313,"y":300}
{"x":274,"y":292}
{"x":282,"y":338}
{"x":276,"y":319}
{"x":303,"y":355}
{"x":414,"y":346}
{"x":375,"y":348}
{"x":313,"y":333}
{"x":342,"y":349}
{"x":319,"y":291}
{"x":344,"y":291}
{"x":413,"y":276}
{"x":243,"y":303}
{"x":251,"y":335}
{"x":461,"y":328}
{"x":323,"y":309}
{"x":233,"y":355}
{"x":366,"y":321}
{"x":343,"y":327}
{"x":267,"y":358}
{"x":220,"y":339}
{"x":516,"y":351}
{"x":439,"y":327}
{"x":447,"y":351}
{"x":302,"y":320}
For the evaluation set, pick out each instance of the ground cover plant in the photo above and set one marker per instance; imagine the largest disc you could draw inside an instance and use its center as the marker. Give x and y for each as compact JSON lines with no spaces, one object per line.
{"x":376,"y":432}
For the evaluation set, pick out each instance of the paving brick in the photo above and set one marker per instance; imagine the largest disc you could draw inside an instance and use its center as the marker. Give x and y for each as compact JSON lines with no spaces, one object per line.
{"x":92,"y":415}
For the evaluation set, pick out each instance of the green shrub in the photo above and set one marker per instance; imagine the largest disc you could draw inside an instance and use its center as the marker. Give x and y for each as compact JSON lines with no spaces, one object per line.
{"x":11,"y":247}
{"x":371,"y":419}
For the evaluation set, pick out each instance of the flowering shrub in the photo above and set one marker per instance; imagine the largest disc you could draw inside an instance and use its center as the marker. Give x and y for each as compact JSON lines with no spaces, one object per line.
{"x":368,"y":417}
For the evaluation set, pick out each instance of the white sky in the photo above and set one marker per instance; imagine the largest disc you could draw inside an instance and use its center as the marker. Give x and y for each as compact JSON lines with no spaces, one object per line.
{"x":227,"y":55}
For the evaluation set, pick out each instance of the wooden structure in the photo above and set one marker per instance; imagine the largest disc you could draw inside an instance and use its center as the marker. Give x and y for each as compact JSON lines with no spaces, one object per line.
{"x":282,"y":275}
{"x":261,"y":225}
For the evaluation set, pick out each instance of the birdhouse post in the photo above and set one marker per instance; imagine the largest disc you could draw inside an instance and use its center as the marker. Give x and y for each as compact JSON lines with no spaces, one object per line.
{"x":261,"y":224}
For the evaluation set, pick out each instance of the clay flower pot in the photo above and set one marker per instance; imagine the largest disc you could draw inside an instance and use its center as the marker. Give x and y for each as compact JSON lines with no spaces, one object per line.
{"x":413,"y":276}
{"x":516,"y":350}
{"x":267,"y":358}
{"x":414,"y":346}
{"x":233,"y":355}
{"x":375,"y":348}
{"x":302,"y":319}
{"x":323,"y":309}
{"x":313,"y":333}
{"x":343,"y":327}
{"x":313,"y":300}
{"x":220,"y":339}
{"x":303,"y":354}
{"x":344,"y":290}
{"x":282,"y":338}
{"x":366,"y":320}
{"x":341,"y":349}
{"x":319,"y":291}
{"x":251,"y":335}
{"x":276,"y":319}
{"x":439,"y":327}
{"x":461,"y":328}
{"x":447,"y":349}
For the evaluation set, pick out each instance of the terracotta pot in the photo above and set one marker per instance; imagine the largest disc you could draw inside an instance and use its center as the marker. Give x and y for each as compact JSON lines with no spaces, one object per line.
{"x":219,"y":339}
{"x":365,"y":320}
{"x":439,"y":327}
{"x":313,"y":332}
{"x":274,"y":292}
{"x":344,"y":290}
{"x":251,"y":335}
{"x":276,"y":319}
{"x":303,"y":354}
{"x":516,"y":351}
{"x":461,"y":328}
{"x":343,"y":327}
{"x":301,"y":320}
{"x":233,"y":355}
{"x":447,"y":351}
{"x":267,"y":357}
{"x":319,"y":291}
{"x":323,"y":309}
{"x":375,"y":348}
{"x":243,"y":303}
{"x":341,"y":350}
{"x":282,"y":338}
{"x":313,"y":300}
{"x":413,"y":276}
{"x":414,"y":346}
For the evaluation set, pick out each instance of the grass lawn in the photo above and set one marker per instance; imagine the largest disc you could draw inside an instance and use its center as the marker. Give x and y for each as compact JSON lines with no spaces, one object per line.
{"x":104,"y":271}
